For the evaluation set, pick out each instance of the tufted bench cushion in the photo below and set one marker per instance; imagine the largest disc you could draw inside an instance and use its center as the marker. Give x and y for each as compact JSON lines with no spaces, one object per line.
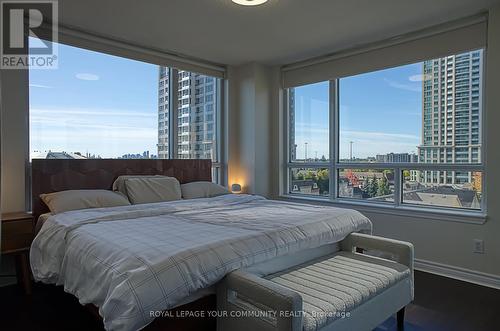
{"x":332,"y":287}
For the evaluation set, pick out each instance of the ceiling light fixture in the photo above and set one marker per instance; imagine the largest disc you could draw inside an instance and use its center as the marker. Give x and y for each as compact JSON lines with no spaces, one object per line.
{"x":249,"y":2}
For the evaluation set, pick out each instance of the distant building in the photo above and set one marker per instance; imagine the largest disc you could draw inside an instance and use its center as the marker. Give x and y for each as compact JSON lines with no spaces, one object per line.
{"x":397,"y":158}
{"x":144,"y":155}
{"x":451,"y":114}
{"x":196,"y":120}
{"x":444,"y":196}
{"x":57,"y":155}
{"x":347,"y":190}
{"x":305,"y":186}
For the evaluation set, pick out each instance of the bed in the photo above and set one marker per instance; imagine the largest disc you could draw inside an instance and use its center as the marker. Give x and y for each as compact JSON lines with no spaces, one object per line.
{"x":135,"y":262}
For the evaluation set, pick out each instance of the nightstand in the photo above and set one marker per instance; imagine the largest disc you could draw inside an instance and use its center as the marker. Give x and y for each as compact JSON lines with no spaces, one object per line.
{"x":17,"y":234}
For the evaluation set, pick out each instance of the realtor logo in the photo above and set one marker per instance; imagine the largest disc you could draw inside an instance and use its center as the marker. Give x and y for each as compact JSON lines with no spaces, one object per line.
{"x":29,"y":34}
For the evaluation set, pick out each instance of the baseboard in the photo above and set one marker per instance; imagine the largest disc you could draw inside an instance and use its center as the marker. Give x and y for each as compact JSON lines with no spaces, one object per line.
{"x":463,"y":274}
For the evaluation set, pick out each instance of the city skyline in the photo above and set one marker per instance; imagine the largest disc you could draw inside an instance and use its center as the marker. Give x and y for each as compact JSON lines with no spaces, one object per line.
{"x":450,"y":104}
{"x":389,"y":118}
{"x":112,"y":107}
{"x":101,"y":110}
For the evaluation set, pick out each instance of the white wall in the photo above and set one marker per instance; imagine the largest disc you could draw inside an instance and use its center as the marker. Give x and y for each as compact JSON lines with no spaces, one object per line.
{"x":250,"y":140}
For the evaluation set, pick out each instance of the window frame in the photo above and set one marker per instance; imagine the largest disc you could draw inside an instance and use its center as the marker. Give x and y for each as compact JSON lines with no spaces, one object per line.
{"x":397,"y":207}
{"x":219,"y":173}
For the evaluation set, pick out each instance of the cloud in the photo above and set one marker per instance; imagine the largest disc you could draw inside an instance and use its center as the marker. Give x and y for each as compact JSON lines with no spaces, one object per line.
{"x":93,"y":112}
{"x":107,"y":132}
{"x":401,"y":86}
{"x":87,"y":76}
{"x":419,"y":77}
{"x":370,"y":135}
{"x":367,"y":143}
{"x":40,"y":86}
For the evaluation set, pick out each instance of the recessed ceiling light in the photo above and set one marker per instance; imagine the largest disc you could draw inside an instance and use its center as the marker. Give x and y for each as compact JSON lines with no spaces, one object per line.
{"x":249,"y":2}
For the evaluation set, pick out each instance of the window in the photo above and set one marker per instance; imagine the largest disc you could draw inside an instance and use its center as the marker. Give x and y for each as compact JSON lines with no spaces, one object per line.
{"x":94,"y":106}
{"x":102,"y":106}
{"x":309,"y":123}
{"x":408,"y":136}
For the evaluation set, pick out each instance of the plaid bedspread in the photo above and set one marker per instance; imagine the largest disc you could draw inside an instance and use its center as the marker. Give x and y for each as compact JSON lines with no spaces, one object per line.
{"x":133,"y":260}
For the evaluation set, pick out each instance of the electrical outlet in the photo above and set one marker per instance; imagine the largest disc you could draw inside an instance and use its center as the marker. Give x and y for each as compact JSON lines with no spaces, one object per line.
{"x":478,"y":246}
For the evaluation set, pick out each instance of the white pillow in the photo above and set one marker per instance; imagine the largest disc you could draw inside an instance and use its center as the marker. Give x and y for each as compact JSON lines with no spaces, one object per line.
{"x":157,"y":189}
{"x":119,"y":183}
{"x":62,"y":201}
{"x":202,"y":190}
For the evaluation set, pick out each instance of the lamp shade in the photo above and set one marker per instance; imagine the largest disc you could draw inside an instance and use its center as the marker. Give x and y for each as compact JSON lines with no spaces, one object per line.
{"x":236,"y":188}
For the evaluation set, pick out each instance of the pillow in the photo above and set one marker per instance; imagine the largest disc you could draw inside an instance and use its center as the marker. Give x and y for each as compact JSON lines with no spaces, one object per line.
{"x":156,"y":189}
{"x":119,"y":183}
{"x":202,"y":190}
{"x":62,"y":201}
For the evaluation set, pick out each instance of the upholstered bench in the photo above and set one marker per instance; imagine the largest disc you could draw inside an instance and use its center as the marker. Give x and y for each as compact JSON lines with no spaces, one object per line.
{"x":345,"y":290}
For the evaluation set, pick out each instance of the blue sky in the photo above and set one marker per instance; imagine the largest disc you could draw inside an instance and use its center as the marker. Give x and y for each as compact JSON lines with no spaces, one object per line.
{"x":93,"y":102}
{"x":107,"y":105}
{"x":380,"y":112}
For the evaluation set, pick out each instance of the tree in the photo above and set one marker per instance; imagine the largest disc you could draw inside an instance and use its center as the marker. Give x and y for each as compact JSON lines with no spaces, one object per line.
{"x":310,"y":175}
{"x":383,"y":187}
{"x":374,"y":187}
{"x":367,"y":187}
{"x":371,"y":187}
{"x":406,"y":174}
{"x":323,"y":181}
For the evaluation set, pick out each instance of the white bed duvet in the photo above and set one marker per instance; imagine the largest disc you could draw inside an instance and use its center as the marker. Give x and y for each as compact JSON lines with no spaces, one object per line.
{"x":133,"y":260}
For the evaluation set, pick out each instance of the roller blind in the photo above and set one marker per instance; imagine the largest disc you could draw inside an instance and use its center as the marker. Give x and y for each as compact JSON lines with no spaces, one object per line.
{"x":81,"y":39}
{"x":452,"y":38}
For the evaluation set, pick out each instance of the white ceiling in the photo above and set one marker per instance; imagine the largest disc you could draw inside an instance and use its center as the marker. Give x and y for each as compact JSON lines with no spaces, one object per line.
{"x":279,"y":32}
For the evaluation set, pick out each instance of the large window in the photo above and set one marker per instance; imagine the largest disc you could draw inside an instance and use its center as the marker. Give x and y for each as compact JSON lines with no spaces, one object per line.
{"x":97,"y":105}
{"x":408,"y":136}
{"x":189,"y":118}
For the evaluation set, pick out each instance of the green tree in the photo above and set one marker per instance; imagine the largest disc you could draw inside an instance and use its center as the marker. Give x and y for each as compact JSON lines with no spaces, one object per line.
{"x":406,"y":174}
{"x":310,"y":175}
{"x":383,"y":187}
{"x":323,"y":181}
{"x":374,"y":187}
{"x":367,"y":187}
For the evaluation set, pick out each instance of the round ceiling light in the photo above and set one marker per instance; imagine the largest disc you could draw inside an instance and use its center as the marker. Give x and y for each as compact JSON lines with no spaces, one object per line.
{"x":249,"y":2}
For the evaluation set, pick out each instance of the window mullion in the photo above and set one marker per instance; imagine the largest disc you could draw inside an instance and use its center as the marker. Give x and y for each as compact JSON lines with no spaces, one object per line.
{"x":286,"y":134}
{"x":398,"y":189}
{"x":333,"y":135}
{"x":219,"y":153}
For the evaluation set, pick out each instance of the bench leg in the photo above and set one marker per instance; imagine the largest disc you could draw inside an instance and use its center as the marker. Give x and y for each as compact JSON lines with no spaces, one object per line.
{"x":401,"y":319}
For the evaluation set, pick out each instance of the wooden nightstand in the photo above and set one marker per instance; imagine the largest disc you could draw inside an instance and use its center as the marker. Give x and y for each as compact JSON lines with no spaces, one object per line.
{"x":17,"y":234}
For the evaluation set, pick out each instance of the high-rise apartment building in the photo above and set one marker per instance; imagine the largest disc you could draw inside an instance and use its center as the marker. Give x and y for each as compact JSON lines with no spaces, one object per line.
{"x":196,"y":111}
{"x":452,"y":103}
{"x":163,"y":112}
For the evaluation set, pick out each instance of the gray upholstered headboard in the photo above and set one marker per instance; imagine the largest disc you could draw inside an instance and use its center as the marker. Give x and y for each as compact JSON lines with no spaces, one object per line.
{"x":52,"y":175}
